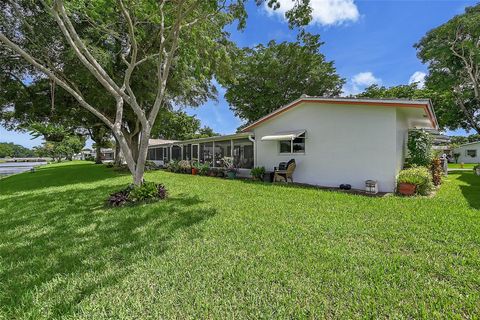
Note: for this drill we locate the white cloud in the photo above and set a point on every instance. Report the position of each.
(359, 82)
(365, 79)
(324, 12)
(419, 78)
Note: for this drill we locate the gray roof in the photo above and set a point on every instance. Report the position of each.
(154, 142)
(467, 144)
(159, 142)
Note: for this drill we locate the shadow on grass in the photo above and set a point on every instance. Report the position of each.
(57, 176)
(71, 236)
(471, 192)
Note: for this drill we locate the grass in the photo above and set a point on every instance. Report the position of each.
(233, 249)
(458, 166)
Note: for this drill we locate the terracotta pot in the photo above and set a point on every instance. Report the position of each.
(194, 171)
(406, 189)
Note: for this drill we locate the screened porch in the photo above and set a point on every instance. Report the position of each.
(211, 150)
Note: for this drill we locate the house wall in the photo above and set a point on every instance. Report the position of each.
(344, 144)
(463, 153)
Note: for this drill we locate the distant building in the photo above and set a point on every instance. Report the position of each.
(468, 152)
(83, 155)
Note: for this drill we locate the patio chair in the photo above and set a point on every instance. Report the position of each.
(285, 174)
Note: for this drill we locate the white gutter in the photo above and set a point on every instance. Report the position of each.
(254, 150)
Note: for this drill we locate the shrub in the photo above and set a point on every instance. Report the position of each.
(119, 198)
(150, 165)
(476, 167)
(419, 148)
(148, 191)
(437, 171)
(109, 165)
(258, 173)
(419, 176)
(172, 166)
(89, 158)
(204, 168)
(196, 164)
(185, 166)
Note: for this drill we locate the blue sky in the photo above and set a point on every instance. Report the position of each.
(371, 41)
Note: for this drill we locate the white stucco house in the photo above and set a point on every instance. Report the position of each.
(333, 141)
(469, 152)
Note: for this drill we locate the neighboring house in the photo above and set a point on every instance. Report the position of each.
(107, 154)
(441, 142)
(84, 154)
(469, 152)
(333, 140)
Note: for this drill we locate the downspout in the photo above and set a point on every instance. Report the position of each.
(250, 137)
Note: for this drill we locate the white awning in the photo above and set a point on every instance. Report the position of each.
(286, 135)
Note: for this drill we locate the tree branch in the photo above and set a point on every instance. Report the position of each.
(132, 64)
(52, 75)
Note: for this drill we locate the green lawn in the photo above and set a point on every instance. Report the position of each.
(233, 249)
(457, 165)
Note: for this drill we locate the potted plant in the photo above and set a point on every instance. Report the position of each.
(195, 168)
(407, 188)
(258, 173)
(476, 169)
(415, 180)
(230, 168)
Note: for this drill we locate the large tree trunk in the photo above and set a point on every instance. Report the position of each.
(134, 146)
(118, 160)
(141, 156)
(126, 148)
(98, 155)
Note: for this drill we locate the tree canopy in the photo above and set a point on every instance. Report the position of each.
(452, 52)
(12, 150)
(270, 76)
(142, 55)
(178, 125)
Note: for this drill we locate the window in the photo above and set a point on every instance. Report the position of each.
(207, 152)
(195, 152)
(151, 154)
(296, 145)
(187, 148)
(243, 153)
(166, 154)
(176, 153)
(158, 154)
(472, 153)
(222, 149)
(200, 152)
